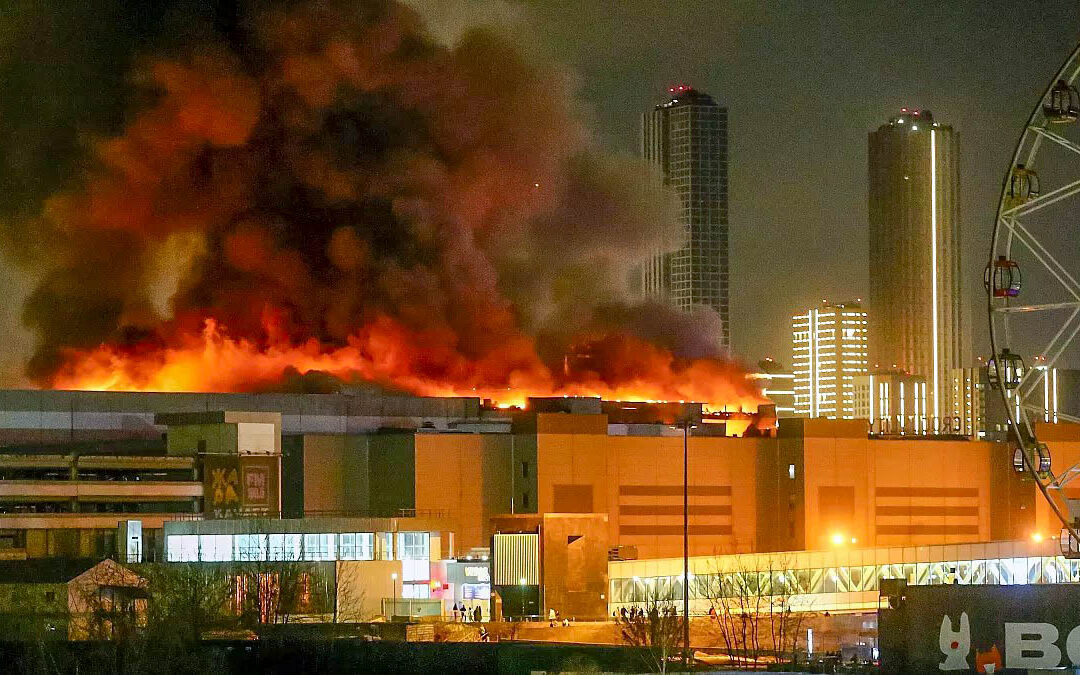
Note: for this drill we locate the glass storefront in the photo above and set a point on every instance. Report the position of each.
(413, 548)
(847, 579)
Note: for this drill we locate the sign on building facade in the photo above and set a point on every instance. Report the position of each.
(981, 629)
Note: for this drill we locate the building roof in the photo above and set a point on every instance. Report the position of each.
(44, 570)
(683, 95)
(137, 447)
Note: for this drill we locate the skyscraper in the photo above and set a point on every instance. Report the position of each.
(686, 139)
(828, 353)
(916, 320)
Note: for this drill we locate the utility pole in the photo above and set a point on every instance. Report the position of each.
(686, 539)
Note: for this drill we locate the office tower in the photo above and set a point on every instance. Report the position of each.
(895, 403)
(685, 138)
(828, 347)
(969, 387)
(916, 320)
(1054, 398)
(776, 385)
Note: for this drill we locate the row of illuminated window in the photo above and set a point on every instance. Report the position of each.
(295, 547)
(1008, 571)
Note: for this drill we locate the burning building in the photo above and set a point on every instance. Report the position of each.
(323, 189)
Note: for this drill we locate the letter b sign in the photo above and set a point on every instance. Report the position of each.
(1031, 645)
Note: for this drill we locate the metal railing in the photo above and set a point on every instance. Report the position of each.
(251, 513)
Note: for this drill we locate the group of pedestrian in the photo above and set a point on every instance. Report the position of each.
(466, 614)
(639, 613)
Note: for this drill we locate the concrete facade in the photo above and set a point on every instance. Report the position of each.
(573, 561)
(814, 481)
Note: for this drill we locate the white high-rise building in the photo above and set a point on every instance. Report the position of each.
(829, 351)
(685, 138)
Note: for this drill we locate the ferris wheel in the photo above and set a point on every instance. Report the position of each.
(1035, 321)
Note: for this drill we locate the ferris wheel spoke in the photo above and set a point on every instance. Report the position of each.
(1042, 412)
(1055, 349)
(1042, 201)
(1072, 472)
(1043, 255)
(1035, 410)
(1018, 309)
(1057, 138)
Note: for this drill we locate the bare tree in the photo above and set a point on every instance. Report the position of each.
(654, 625)
(184, 602)
(753, 611)
(351, 596)
(187, 599)
(276, 585)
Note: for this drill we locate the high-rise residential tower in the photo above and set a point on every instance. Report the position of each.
(916, 312)
(828, 354)
(686, 139)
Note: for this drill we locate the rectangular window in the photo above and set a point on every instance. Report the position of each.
(524, 469)
(525, 499)
(183, 548)
(284, 547)
(356, 546)
(215, 547)
(320, 546)
(415, 591)
(415, 570)
(413, 546)
(249, 547)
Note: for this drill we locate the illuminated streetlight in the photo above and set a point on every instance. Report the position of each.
(522, 581)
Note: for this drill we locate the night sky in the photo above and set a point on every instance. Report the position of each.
(803, 81)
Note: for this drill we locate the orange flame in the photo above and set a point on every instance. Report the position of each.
(387, 354)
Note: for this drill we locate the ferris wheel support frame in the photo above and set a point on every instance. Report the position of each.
(1006, 218)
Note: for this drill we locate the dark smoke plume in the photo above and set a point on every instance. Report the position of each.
(326, 174)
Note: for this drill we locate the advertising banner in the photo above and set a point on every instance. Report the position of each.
(221, 486)
(259, 484)
(981, 629)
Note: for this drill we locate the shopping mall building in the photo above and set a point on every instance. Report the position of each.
(575, 504)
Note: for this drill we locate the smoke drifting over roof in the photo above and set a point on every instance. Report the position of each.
(322, 186)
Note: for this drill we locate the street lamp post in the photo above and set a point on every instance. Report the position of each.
(686, 539)
(393, 608)
(522, 581)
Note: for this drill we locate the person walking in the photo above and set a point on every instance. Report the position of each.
(551, 617)
(478, 615)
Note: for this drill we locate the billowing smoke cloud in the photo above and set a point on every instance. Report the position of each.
(322, 186)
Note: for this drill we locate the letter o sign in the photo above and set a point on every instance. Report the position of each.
(1072, 646)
